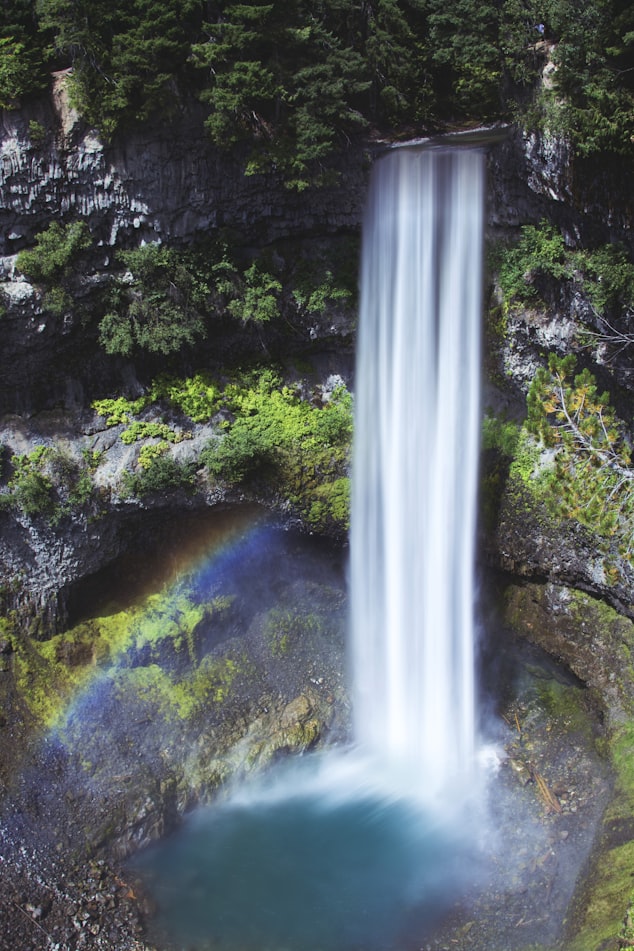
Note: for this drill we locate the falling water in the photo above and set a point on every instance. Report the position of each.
(415, 465)
(322, 856)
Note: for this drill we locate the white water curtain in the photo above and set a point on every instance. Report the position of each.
(415, 465)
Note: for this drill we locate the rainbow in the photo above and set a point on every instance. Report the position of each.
(70, 676)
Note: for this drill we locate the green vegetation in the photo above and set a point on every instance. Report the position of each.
(51, 483)
(316, 290)
(592, 99)
(539, 254)
(158, 305)
(285, 627)
(159, 473)
(162, 630)
(197, 397)
(609, 279)
(596, 917)
(164, 300)
(269, 439)
(499, 434)
(284, 78)
(295, 449)
(499, 442)
(127, 58)
(55, 252)
(539, 270)
(572, 456)
(19, 74)
(291, 83)
(119, 410)
(591, 479)
(54, 261)
(259, 301)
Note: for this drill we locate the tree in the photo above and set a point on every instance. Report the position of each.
(594, 79)
(593, 479)
(125, 55)
(19, 72)
(280, 80)
(464, 39)
(157, 306)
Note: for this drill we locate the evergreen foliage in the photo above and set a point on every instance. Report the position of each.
(293, 80)
(55, 253)
(592, 479)
(158, 305)
(279, 77)
(54, 263)
(594, 80)
(126, 56)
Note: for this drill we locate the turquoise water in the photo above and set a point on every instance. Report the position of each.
(304, 865)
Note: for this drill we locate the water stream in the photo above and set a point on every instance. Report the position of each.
(347, 850)
(415, 466)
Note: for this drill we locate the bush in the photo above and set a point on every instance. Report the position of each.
(158, 306)
(56, 252)
(49, 481)
(539, 253)
(259, 300)
(298, 450)
(162, 474)
(197, 397)
(609, 279)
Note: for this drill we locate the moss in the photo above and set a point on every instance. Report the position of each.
(599, 909)
(181, 697)
(331, 505)
(526, 460)
(565, 704)
(285, 627)
(602, 908)
(49, 673)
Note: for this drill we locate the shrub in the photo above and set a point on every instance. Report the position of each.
(540, 252)
(163, 473)
(299, 450)
(197, 397)
(259, 300)
(56, 252)
(49, 481)
(119, 410)
(158, 306)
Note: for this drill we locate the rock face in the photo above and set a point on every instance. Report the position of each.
(160, 183)
(165, 183)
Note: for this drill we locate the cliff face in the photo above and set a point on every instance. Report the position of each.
(165, 183)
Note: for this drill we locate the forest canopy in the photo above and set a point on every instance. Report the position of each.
(294, 79)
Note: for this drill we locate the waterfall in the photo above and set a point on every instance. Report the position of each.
(415, 465)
